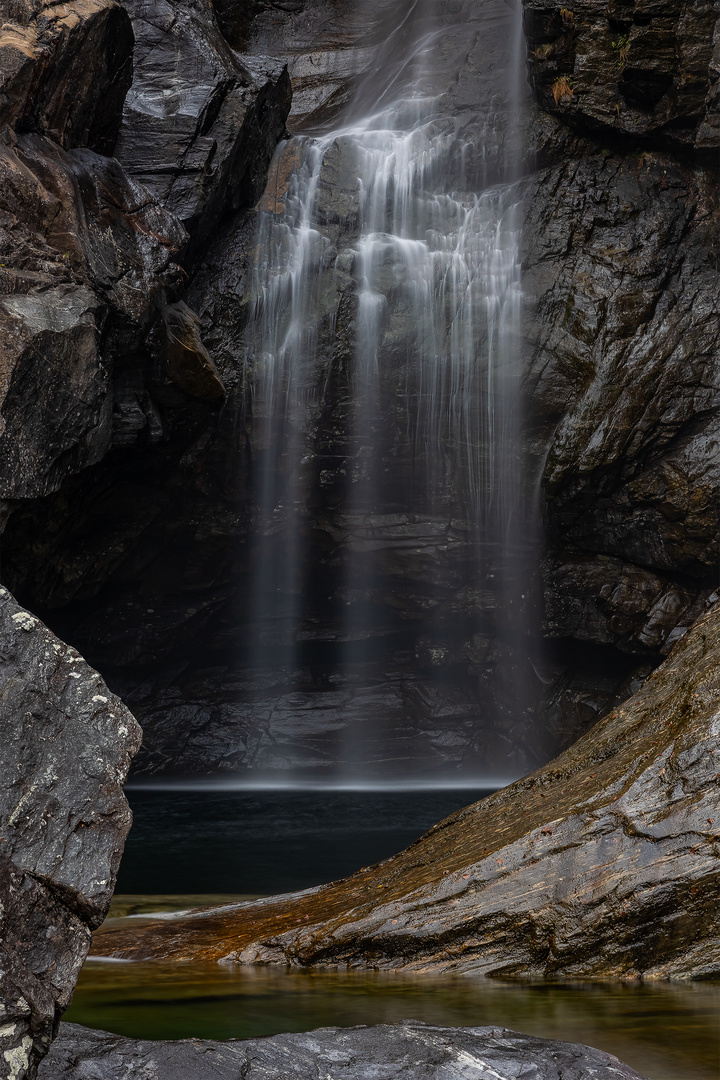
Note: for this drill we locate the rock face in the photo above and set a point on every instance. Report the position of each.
(602, 864)
(65, 70)
(643, 69)
(624, 387)
(66, 749)
(150, 546)
(91, 256)
(199, 126)
(411, 1050)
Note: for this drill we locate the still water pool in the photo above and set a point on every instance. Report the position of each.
(218, 845)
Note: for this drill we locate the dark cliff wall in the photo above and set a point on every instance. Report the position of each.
(129, 529)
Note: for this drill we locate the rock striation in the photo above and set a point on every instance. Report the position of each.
(602, 864)
(409, 1050)
(65, 752)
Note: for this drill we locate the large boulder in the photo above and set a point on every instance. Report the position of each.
(602, 864)
(408, 1051)
(66, 747)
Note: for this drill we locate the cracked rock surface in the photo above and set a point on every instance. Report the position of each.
(66, 747)
(410, 1050)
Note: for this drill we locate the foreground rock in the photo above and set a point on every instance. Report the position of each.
(604, 863)
(410, 1050)
(66, 748)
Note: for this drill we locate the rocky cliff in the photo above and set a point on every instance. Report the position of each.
(131, 525)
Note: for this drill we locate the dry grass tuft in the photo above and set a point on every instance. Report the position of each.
(562, 89)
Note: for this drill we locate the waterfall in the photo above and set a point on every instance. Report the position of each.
(382, 364)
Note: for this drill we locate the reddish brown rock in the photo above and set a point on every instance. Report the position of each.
(602, 864)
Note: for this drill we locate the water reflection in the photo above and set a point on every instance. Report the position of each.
(668, 1032)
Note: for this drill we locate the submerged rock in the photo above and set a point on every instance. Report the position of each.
(409, 1050)
(64, 755)
(604, 863)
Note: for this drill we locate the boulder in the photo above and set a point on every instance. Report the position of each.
(407, 1051)
(66, 748)
(602, 864)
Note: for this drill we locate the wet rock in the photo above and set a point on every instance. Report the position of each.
(65, 70)
(624, 388)
(411, 1050)
(603, 863)
(89, 256)
(66, 748)
(187, 362)
(641, 69)
(200, 124)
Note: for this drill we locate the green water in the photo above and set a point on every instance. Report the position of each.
(666, 1031)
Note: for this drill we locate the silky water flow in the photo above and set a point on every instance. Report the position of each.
(383, 365)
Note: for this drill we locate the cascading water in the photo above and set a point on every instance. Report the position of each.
(383, 366)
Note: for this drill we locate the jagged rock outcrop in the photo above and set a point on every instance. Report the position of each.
(65, 70)
(200, 124)
(88, 257)
(408, 1051)
(625, 391)
(66, 748)
(604, 863)
(87, 253)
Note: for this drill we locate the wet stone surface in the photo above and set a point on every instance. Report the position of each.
(409, 1050)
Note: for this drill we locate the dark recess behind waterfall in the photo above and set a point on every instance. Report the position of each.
(142, 557)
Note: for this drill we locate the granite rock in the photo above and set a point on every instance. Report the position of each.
(66, 749)
(409, 1050)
